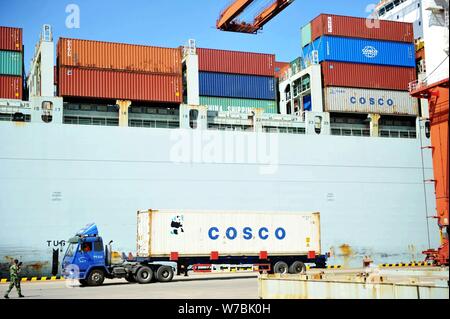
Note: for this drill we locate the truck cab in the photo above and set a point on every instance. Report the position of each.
(84, 254)
(88, 260)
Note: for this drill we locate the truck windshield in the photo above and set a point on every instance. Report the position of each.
(70, 250)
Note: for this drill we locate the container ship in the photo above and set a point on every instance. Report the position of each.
(115, 128)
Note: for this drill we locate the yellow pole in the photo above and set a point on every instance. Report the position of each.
(123, 112)
(374, 127)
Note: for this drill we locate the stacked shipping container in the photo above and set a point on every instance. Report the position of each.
(237, 80)
(104, 70)
(358, 54)
(362, 51)
(345, 26)
(367, 76)
(11, 63)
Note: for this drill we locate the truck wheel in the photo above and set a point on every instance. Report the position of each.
(164, 274)
(144, 275)
(130, 278)
(83, 282)
(96, 278)
(297, 267)
(281, 268)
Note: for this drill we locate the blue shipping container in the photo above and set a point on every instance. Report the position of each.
(237, 86)
(362, 51)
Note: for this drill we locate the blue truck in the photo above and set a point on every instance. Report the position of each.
(174, 241)
(89, 261)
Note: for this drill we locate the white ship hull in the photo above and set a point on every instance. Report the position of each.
(56, 178)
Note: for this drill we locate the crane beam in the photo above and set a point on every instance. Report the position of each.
(228, 18)
(270, 12)
(232, 12)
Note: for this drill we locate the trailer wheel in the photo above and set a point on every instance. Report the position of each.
(297, 267)
(144, 275)
(281, 268)
(164, 274)
(96, 278)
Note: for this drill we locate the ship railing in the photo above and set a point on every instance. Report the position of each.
(390, 133)
(416, 85)
(230, 127)
(96, 121)
(398, 133)
(343, 131)
(284, 130)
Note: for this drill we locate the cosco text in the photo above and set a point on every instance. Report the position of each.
(247, 233)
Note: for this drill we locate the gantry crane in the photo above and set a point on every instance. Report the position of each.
(438, 97)
(228, 20)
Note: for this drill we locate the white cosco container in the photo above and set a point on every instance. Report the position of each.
(341, 99)
(236, 233)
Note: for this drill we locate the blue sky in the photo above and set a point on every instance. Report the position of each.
(169, 23)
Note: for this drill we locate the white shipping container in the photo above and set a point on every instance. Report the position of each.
(341, 99)
(236, 233)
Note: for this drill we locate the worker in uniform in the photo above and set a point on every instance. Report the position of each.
(14, 271)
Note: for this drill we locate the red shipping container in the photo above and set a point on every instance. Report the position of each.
(367, 76)
(11, 39)
(11, 87)
(106, 84)
(235, 62)
(352, 27)
(118, 56)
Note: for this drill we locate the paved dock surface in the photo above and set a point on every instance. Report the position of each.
(202, 286)
(223, 286)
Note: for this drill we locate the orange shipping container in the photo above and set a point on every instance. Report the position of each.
(118, 56)
(116, 85)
